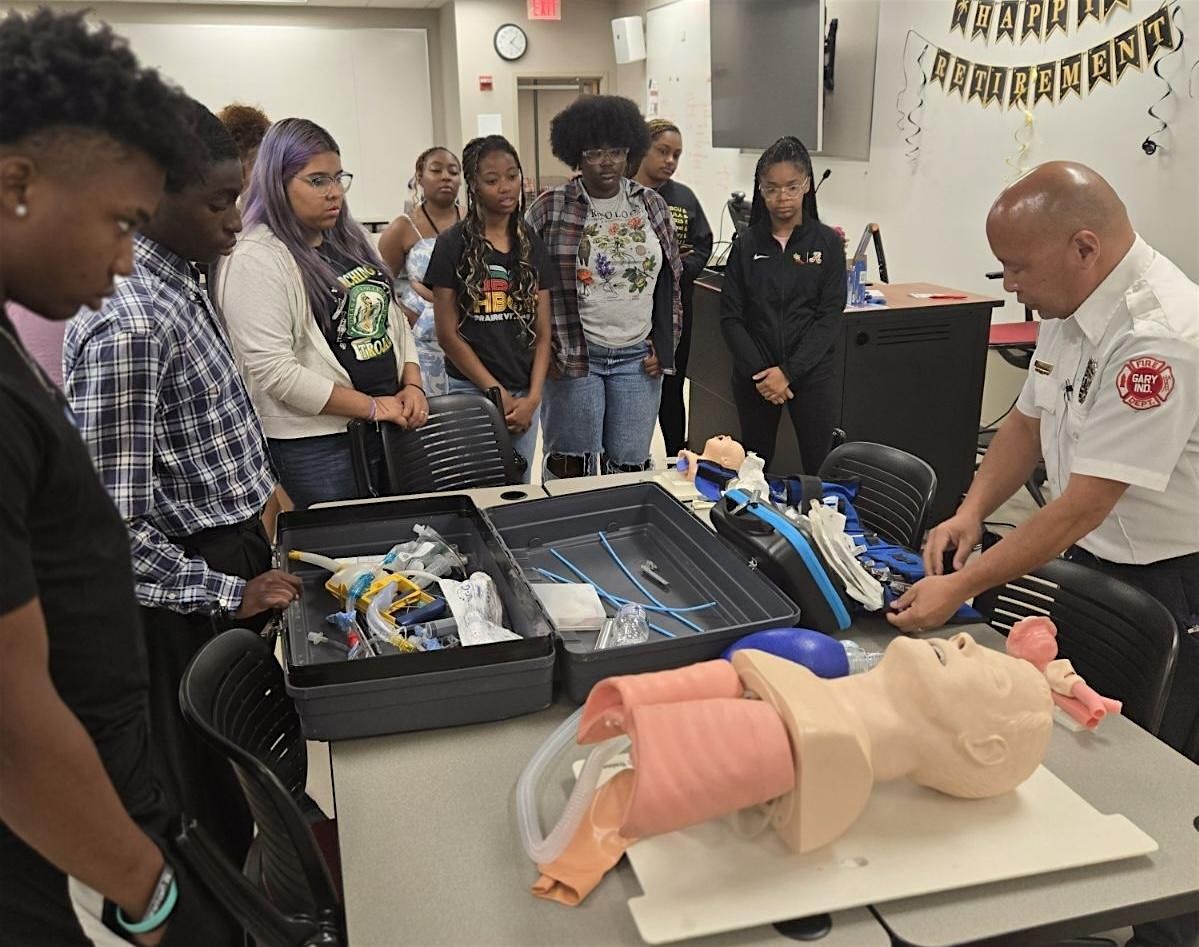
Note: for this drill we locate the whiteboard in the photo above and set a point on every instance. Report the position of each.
(368, 87)
(678, 71)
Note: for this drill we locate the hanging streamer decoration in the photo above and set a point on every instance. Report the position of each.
(1023, 136)
(1051, 83)
(1161, 36)
(907, 125)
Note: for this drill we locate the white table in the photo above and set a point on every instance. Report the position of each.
(430, 853)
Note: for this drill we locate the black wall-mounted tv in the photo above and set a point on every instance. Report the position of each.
(767, 72)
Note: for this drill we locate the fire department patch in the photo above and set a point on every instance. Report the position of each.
(1145, 382)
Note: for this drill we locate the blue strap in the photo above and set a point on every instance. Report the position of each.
(788, 531)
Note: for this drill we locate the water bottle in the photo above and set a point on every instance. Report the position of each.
(859, 282)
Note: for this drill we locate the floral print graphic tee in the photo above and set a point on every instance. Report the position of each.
(618, 265)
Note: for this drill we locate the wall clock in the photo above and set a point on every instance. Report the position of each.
(511, 42)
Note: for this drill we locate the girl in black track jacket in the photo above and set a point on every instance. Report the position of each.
(780, 310)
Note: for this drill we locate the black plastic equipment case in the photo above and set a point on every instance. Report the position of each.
(777, 558)
(642, 521)
(338, 699)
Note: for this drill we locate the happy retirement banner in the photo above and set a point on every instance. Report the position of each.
(1039, 19)
(1054, 81)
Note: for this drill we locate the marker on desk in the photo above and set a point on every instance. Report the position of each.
(937, 295)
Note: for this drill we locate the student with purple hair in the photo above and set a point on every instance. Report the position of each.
(316, 328)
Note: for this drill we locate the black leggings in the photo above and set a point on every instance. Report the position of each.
(813, 412)
(672, 411)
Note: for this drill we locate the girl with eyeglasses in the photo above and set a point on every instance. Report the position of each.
(617, 314)
(695, 246)
(490, 277)
(407, 244)
(315, 326)
(780, 310)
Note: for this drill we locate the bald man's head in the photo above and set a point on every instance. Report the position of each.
(1058, 231)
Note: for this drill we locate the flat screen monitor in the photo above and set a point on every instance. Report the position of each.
(767, 72)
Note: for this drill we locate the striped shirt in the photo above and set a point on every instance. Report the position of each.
(162, 408)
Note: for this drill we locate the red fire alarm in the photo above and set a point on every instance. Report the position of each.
(485, 83)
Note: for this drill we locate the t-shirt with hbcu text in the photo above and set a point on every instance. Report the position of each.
(493, 328)
(360, 306)
(619, 262)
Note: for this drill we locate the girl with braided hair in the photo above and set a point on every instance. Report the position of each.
(407, 244)
(490, 278)
(780, 309)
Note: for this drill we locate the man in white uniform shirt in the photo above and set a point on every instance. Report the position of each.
(1112, 405)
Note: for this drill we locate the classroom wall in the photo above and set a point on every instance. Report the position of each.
(580, 44)
(931, 210)
(331, 17)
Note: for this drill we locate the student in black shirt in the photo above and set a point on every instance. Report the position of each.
(85, 137)
(491, 278)
(780, 310)
(695, 246)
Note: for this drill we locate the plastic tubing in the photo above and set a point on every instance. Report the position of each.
(315, 559)
(543, 850)
(617, 600)
(642, 589)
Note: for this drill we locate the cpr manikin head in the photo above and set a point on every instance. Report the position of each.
(978, 722)
(720, 449)
(949, 715)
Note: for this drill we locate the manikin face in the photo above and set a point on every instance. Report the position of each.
(980, 719)
(725, 451)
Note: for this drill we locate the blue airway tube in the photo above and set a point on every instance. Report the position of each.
(768, 514)
(642, 589)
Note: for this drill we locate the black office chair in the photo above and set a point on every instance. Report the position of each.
(895, 488)
(1121, 639)
(464, 444)
(233, 693)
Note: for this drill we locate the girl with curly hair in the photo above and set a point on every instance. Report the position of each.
(313, 319)
(780, 309)
(407, 244)
(617, 315)
(491, 281)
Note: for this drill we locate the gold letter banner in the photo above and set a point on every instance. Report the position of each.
(1024, 86)
(1039, 18)
(961, 16)
(1009, 10)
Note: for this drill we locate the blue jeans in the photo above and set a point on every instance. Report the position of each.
(319, 469)
(603, 421)
(524, 444)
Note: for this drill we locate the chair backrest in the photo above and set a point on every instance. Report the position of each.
(1121, 639)
(464, 444)
(233, 692)
(895, 488)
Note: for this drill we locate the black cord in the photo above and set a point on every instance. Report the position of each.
(1002, 416)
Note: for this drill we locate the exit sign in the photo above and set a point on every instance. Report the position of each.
(545, 9)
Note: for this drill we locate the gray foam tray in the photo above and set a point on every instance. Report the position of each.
(642, 521)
